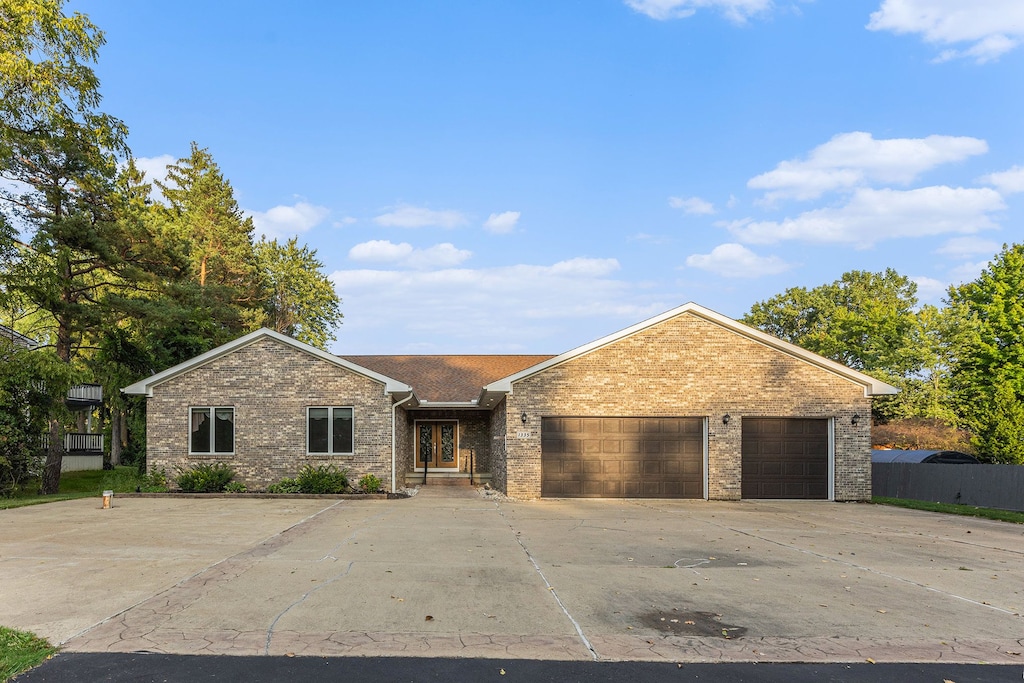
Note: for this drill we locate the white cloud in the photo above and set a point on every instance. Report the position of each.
(1010, 181)
(966, 272)
(443, 255)
(735, 260)
(964, 247)
(871, 216)
(406, 216)
(438, 256)
(501, 223)
(990, 28)
(380, 251)
(155, 168)
(287, 221)
(692, 205)
(585, 267)
(347, 220)
(735, 10)
(502, 309)
(930, 290)
(850, 160)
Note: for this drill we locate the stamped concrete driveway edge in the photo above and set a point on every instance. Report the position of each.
(450, 573)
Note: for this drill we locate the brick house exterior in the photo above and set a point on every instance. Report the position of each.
(689, 366)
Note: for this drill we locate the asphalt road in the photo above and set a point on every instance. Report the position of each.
(95, 668)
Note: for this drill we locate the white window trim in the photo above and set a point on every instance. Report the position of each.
(330, 431)
(213, 453)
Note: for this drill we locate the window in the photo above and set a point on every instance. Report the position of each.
(329, 430)
(212, 430)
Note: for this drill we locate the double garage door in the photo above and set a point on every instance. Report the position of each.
(622, 457)
(612, 457)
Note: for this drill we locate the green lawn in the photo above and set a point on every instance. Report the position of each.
(78, 485)
(950, 508)
(20, 651)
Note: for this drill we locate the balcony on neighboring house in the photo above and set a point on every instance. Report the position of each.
(83, 396)
(78, 443)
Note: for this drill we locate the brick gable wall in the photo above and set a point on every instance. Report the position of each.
(687, 366)
(270, 385)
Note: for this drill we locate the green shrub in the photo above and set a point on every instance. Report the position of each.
(205, 478)
(323, 479)
(286, 485)
(235, 487)
(369, 483)
(154, 482)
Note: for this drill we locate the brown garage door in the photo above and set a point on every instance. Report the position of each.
(622, 457)
(785, 458)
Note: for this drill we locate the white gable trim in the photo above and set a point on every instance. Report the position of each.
(872, 386)
(145, 387)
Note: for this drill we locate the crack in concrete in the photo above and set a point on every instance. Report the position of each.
(551, 589)
(270, 629)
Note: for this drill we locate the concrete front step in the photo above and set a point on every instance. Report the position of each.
(446, 479)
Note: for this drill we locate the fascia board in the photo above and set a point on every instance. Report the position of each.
(145, 386)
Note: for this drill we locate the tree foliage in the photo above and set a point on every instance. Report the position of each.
(300, 299)
(988, 371)
(863, 320)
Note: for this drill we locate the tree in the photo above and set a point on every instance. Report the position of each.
(32, 386)
(61, 154)
(300, 300)
(204, 216)
(863, 320)
(988, 370)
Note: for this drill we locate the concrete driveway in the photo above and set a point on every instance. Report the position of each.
(452, 573)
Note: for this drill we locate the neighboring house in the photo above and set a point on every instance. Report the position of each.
(83, 449)
(15, 338)
(688, 404)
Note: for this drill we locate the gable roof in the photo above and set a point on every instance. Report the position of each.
(447, 379)
(872, 386)
(145, 386)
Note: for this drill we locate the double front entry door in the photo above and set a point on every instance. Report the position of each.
(436, 445)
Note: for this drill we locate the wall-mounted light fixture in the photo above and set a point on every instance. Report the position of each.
(726, 418)
(523, 417)
(855, 420)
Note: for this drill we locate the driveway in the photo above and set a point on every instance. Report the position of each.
(451, 573)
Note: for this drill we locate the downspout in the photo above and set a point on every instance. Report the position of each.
(394, 412)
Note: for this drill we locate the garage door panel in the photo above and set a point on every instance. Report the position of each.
(784, 458)
(636, 457)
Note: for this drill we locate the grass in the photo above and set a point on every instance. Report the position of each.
(951, 509)
(20, 651)
(78, 485)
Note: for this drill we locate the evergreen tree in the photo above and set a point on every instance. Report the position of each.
(204, 216)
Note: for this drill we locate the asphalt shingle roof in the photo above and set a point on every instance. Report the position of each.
(447, 378)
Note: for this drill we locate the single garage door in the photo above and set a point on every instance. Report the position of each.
(785, 458)
(622, 457)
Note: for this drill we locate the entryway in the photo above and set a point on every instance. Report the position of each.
(437, 445)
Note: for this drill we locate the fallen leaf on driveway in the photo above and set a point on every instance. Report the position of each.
(501, 671)
(870, 661)
(881, 611)
(428, 618)
(690, 622)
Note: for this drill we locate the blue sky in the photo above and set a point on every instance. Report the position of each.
(524, 176)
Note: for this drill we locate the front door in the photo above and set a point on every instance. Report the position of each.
(437, 445)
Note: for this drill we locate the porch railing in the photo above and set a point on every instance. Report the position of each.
(78, 443)
(86, 393)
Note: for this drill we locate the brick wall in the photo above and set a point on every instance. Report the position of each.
(270, 385)
(687, 366)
